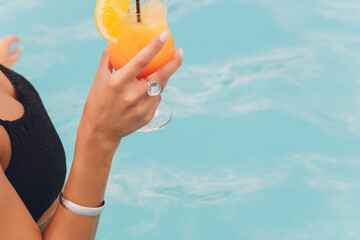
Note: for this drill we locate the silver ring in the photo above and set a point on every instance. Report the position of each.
(154, 88)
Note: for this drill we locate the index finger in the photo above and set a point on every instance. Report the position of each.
(11, 39)
(164, 73)
(143, 58)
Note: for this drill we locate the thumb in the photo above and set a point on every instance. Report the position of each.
(105, 64)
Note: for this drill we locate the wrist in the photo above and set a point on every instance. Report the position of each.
(88, 177)
(95, 138)
(90, 168)
(94, 148)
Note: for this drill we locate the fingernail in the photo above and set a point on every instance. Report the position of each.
(181, 52)
(163, 36)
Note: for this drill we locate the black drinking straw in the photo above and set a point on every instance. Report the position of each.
(138, 10)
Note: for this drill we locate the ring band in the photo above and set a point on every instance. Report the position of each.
(80, 210)
(154, 88)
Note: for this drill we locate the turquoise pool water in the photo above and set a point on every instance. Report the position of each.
(265, 139)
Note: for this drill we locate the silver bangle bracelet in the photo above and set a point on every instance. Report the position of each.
(80, 210)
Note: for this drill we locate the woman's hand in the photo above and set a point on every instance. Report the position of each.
(118, 104)
(7, 57)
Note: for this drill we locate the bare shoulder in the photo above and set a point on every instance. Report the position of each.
(6, 85)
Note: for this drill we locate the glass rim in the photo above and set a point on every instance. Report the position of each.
(165, 6)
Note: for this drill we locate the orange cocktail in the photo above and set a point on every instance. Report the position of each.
(137, 30)
(129, 26)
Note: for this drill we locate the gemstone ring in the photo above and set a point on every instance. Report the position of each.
(154, 88)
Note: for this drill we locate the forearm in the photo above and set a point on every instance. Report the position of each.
(86, 186)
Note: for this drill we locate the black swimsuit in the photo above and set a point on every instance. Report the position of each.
(37, 167)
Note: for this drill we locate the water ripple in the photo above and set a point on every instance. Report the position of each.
(140, 187)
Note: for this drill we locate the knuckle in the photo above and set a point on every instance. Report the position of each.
(158, 45)
(140, 62)
(161, 75)
(129, 100)
(112, 84)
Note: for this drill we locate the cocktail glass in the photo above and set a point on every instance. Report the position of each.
(139, 25)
